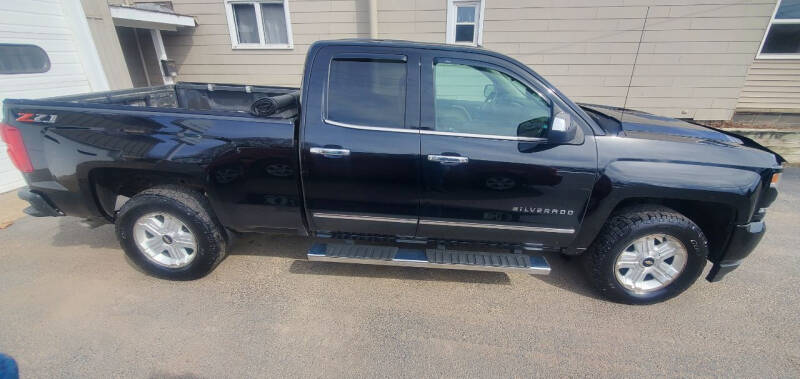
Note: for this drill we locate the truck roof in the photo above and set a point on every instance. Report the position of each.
(405, 44)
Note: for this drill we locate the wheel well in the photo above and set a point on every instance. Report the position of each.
(111, 185)
(716, 220)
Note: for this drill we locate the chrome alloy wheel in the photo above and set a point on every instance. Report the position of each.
(650, 263)
(165, 240)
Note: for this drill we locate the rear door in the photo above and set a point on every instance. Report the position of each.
(489, 171)
(360, 142)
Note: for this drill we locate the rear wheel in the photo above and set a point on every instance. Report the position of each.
(169, 233)
(646, 255)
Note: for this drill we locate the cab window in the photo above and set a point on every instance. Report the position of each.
(480, 100)
(367, 92)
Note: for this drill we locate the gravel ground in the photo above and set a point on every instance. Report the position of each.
(71, 306)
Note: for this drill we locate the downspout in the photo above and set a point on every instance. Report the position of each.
(373, 19)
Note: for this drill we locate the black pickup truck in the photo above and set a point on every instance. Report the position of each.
(400, 153)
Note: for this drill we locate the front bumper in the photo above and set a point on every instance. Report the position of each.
(743, 240)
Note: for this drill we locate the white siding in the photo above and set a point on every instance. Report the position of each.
(772, 86)
(49, 25)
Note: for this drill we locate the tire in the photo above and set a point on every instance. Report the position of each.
(649, 224)
(195, 218)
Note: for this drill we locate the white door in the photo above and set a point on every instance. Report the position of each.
(59, 28)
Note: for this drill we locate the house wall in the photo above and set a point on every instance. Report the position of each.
(105, 39)
(680, 58)
(204, 54)
(57, 27)
(669, 57)
(772, 85)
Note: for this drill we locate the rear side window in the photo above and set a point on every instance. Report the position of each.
(367, 92)
(23, 59)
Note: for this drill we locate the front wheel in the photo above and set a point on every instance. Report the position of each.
(646, 255)
(169, 232)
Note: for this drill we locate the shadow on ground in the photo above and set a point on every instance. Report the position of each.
(566, 273)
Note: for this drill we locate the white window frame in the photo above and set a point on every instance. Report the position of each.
(452, 14)
(261, 45)
(773, 21)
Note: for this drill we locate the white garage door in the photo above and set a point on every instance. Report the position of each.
(58, 27)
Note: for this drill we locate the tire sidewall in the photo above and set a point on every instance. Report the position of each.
(207, 248)
(696, 248)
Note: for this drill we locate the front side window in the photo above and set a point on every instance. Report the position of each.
(782, 39)
(259, 24)
(367, 92)
(483, 101)
(464, 22)
(23, 59)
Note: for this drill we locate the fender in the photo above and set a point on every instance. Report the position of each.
(629, 179)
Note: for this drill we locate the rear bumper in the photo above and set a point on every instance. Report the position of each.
(743, 240)
(40, 207)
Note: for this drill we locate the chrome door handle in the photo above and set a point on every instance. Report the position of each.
(330, 153)
(448, 159)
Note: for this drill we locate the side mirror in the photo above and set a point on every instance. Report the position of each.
(488, 91)
(562, 130)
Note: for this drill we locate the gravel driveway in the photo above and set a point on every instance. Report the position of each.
(71, 306)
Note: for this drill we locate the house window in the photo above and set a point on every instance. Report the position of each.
(259, 24)
(782, 39)
(465, 22)
(23, 59)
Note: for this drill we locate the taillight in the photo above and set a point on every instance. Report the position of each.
(16, 148)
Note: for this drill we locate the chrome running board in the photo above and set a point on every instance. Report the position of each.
(430, 258)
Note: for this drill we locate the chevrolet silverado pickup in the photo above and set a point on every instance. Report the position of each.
(400, 153)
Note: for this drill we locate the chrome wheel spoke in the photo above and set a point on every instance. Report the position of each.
(176, 252)
(184, 241)
(659, 275)
(666, 250)
(627, 260)
(171, 225)
(637, 276)
(151, 225)
(165, 240)
(650, 263)
(154, 244)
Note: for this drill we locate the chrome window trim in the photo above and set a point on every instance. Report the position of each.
(376, 128)
(434, 132)
(485, 136)
(340, 216)
(497, 226)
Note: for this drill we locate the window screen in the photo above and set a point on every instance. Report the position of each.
(274, 24)
(246, 23)
(480, 100)
(465, 23)
(367, 92)
(23, 59)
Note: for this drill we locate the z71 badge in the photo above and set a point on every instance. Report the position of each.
(544, 211)
(37, 117)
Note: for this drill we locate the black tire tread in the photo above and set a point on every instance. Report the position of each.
(195, 203)
(619, 226)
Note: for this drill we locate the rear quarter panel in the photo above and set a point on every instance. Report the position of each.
(246, 165)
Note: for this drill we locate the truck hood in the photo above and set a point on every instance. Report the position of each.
(635, 123)
(638, 124)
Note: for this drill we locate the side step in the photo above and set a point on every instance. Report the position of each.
(431, 258)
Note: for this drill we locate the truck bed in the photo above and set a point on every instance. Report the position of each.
(187, 96)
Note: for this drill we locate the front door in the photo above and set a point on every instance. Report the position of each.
(489, 172)
(360, 150)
